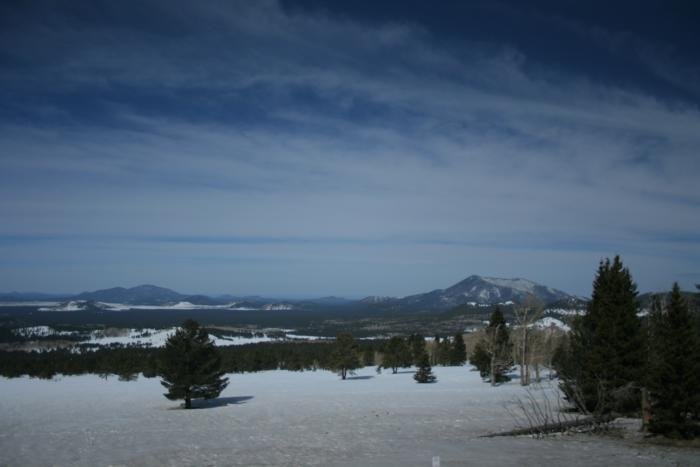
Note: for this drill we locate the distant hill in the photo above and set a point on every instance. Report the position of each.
(479, 290)
(139, 295)
(151, 295)
(474, 290)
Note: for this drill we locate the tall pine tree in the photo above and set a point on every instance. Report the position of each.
(458, 353)
(492, 355)
(424, 373)
(602, 368)
(674, 367)
(190, 365)
(345, 357)
(397, 354)
(416, 342)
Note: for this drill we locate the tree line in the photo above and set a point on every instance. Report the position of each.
(126, 361)
(499, 347)
(616, 362)
(617, 359)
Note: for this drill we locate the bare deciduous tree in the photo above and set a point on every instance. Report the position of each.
(526, 314)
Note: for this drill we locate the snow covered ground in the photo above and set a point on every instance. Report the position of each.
(285, 418)
(81, 305)
(152, 337)
(548, 322)
(157, 338)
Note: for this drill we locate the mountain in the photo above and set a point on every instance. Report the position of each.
(479, 290)
(474, 290)
(151, 295)
(139, 295)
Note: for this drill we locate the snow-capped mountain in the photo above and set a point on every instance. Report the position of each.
(482, 291)
(474, 291)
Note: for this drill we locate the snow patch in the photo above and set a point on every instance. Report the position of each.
(549, 322)
(277, 307)
(565, 312)
(40, 331)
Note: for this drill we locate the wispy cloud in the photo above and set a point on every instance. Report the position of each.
(337, 145)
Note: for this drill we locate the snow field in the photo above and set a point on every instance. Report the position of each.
(152, 337)
(287, 418)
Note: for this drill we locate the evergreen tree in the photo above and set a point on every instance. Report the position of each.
(435, 351)
(368, 357)
(444, 350)
(424, 373)
(603, 365)
(501, 347)
(190, 365)
(481, 359)
(492, 355)
(417, 345)
(458, 352)
(673, 378)
(397, 354)
(344, 357)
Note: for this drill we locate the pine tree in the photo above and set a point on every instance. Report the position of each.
(601, 370)
(416, 343)
(501, 348)
(344, 357)
(190, 365)
(444, 350)
(673, 379)
(397, 354)
(368, 356)
(434, 353)
(458, 352)
(481, 359)
(424, 373)
(492, 355)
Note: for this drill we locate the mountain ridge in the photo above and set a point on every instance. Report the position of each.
(475, 289)
(145, 294)
(478, 290)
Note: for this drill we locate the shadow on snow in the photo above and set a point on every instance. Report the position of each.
(218, 402)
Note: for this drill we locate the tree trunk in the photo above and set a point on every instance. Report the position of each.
(188, 402)
(646, 410)
(343, 373)
(493, 368)
(524, 374)
(527, 372)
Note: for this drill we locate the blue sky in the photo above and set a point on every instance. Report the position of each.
(352, 148)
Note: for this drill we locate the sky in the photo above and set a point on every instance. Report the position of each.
(307, 148)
